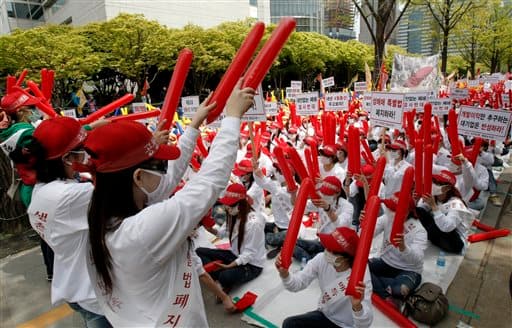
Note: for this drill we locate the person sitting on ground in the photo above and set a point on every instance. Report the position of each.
(245, 259)
(332, 268)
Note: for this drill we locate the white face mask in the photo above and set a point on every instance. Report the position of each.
(332, 259)
(280, 178)
(232, 210)
(329, 199)
(325, 160)
(436, 190)
(351, 120)
(158, 194)
(393, 155)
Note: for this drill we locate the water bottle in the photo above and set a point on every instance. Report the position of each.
(303, 263)
(440, 265)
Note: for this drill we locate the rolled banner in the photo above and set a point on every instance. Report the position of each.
(477, 144)
(22, 77)
(427, 122)
(38, 93)
(295, 222)
(173, 95)
(314, 158)
(418, 167)
(363, 249)
(482, 226)
(428, 156)
(453, 135)
(402, 208)
(298, 164)
(377, 177)
(263, 61)
(368, 151)
(127, 98)
(391, 312)
(136, 116)
(202, 147)
(476, 237)
(235, 70)
(354, 161)
(285, 169)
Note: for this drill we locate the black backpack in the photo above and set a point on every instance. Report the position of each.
(427, 304)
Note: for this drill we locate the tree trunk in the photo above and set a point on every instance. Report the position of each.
(444, 52)
(378, 52)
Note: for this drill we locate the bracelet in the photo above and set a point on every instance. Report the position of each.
(328, 208)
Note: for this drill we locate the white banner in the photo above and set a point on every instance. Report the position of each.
(473, 83)
(440, 106)
(360, 86)
(508, 85)
(505, 99)
(307, 103)
(296, 85)
(292, 93)
(271, 108)
(415, 73)
(328, 82)
(486, 123)
(387, 109)
(139, 107)
(416, 100)
(69, 113)
(189, 105)
(336, 101)
(367, 101)
(257, 112)
(457, 93)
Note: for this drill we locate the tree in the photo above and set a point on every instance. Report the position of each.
(383, 13)
(497, 38)
(447, 13)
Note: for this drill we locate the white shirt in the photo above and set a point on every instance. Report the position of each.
(58, 213)
(415, 237)
(281, 200)
(393, 176)
(343, 211)
(337, 170)
(252, 250)
(152, 266)
(333, 303)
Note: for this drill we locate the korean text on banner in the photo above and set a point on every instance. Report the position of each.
(458, 94)
(271, 108)
(415, 100)
(484, 123)
(336, 101)
(189, 105)
(139, 107)
(328, 82)
(307, 103)
(69, 113)
(360, 86)
(367, 101)
(296, 85)
(292, 93)
(387, 109)
(440, 106)
(257, 112)
(505, 100)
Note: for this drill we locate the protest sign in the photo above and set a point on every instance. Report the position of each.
(139, 107)
(69, 113)
(440, 106)
(485, 123)
(458, 94)
(271, 108)
(415, 100)
(387, 109)
(336, 101)
(189, 105)
(360, 87)
(328, 82)
(257, 112)
(307, 103)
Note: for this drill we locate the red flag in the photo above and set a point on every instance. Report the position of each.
(383, 78)
(145, 88)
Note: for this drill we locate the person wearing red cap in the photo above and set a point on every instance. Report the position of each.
(140, 263)
(244, 226)
(395, 167)
(397, 271)
(445, 215)
(243, 172)
(358, 189)
(329, 163)
(58, 213)
(332, 268)
(341, 154)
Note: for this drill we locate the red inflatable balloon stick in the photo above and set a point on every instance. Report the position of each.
(127, 98)
(402, 208)
(235, 70)
(47, 82)
(297, 163)
(173, 95)
(377, 177)
(453, 135)
(477, 144)
(368, 152)
(482, 226)
(354, 160)
(263, 61)
(363, 249)
(391, 312)
(41, 104)
(202, 147)
(427, 123)
(428, 157)
(309, 162)
(476, 237)
(22, 77)
(418, 167)
(314, 158)
(295, 222)
(10, 83)
(136, 116)
(37, 92)
(283, 165)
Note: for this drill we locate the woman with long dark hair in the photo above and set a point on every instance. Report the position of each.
(141, 264)
(445, 215)
(245, 229)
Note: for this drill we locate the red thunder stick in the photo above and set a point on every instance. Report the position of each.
(427, 170)
(402, 208)
(127, 98)
(235, 70)
(418, 167)
(283, 165)
(172, 97)
(427, 122)
(391, 312)
(298, 164)
(377, 177)
(136, 116)
(476, 237)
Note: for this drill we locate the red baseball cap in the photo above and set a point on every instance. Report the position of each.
(398, 144)
(445, 176)
(59, 135)
(330, 185)
(234, 193)
(328, 150)
(341, 240)
(309, 140)
(123, 144)
(292, 130)
(12, 101)
(243, 167)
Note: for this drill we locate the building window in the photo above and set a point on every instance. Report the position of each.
(253, 3)
(25, 9)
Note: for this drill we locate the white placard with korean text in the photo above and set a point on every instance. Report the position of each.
(336, 101)
(271, 108)
(257, 112)
(508, 85)
(139, 107)
(485, 123)
(360, 87)
(69, 113)
(189, 105)
(296, 85)
(416, 100)
(473, 83)
(291, 93)
(440, 106)
(307, 103)
(387, 109)
(505, 99)
(367, 101)
(328, 82)
(457, 93)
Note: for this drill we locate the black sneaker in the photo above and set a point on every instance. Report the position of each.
(273, 253)
(49, 277)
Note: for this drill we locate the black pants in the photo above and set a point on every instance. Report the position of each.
(47, 257)
(229, 277)
(309, 319)
(449, 242)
